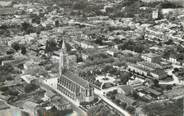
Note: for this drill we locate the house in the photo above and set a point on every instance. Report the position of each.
(155, 14)
(31, 107)
(3, 97)
(125, 89)
(6, 57)
(52, 82)
(17, 61)
(166, 65)
(6, 3)
(28, 78)
(50, 94)
(153, 92)
(60, 103)
(7, 11)
(135, 82)
(112, 52)
(137, 69)
(145, 97)
(85, 44)
(150, 66)
(174, 59)
(151, 57)
(148, 69)
(3, 105)
(129, 101)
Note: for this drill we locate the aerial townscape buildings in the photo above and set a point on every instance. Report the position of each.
(91, 57)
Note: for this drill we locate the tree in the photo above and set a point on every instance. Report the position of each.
(135, 95)
(27, 28)
(169, 42)
(131, 109)
(123, 104)
(23, 50)
(167, 52)
(51, 45)
(79, 5)
(57, 23)
(124, 76)
(12, 92)
(15, 46)
(156, 83)
(176, 69)
(99, 41)
(107, 68)
(30, 87)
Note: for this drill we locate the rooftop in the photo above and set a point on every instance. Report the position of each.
(7, 11)
(151, 65)
(76, 79)
(151, 55)
(126, 99)
(3, 105)
(153, 91)
(138, 67)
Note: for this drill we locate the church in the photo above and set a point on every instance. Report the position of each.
(70, 83)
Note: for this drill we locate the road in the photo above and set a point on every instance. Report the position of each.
(99, 93)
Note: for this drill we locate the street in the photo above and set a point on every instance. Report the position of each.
(99, 93)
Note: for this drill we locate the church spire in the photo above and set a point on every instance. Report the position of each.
(63, 45)
(63, 61)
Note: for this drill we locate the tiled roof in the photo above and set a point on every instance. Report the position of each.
(125, 99)
(151, 55)
(151, 65)
(75, 78)
(7, 11)
(138, 67)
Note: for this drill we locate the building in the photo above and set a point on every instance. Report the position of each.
(149, 66)
(7, 11)
(158, 74)
(151, 57)
(125, 89)
(136, 82)
(129, 101)
(148, 69)
(138, 69)
(31, 107)
(4, 97)
(3, 106)
(60, 103)
(70, 83)
(6, 3)
(174, 59)
(51, 82)
(155, 14)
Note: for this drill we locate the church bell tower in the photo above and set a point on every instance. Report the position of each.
(63, 60)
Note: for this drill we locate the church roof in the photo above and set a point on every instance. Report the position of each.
(75, 78)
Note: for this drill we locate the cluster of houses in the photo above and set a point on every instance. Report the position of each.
(149, 67)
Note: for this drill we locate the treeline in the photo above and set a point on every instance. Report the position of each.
(165, 4)
(130, 45)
